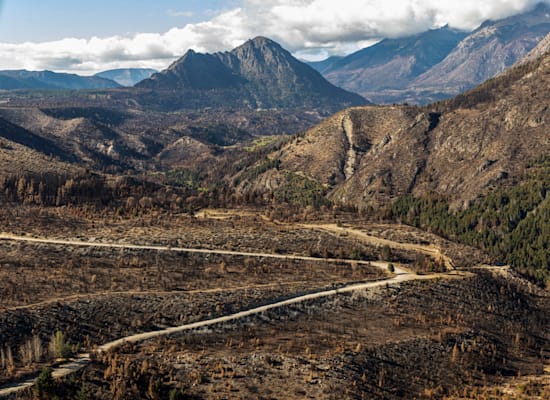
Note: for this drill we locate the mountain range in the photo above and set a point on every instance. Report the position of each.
(419, 69)
(352, 153)
(48, 80)
(440, 63)
(486, 149)
(201, 105)
(393, 63)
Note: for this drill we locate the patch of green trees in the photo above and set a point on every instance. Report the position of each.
(512, 224)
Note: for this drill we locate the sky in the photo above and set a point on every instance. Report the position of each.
(87, 37)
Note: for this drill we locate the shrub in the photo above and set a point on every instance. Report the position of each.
(45, 384)
(59, 347)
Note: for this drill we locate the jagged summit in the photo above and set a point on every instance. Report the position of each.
(393, 63)
(194, 71)
(259, 41)
(439, 63)
(487, 52)
(258, 73)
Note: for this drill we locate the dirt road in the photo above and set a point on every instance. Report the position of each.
(82, 360)
(429, 250)
(15, 238)
(400, 275)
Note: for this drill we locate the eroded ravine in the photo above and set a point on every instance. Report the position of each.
(351, 159)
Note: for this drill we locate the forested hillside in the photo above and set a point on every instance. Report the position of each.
(513, 225)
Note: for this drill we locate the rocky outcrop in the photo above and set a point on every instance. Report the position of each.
(542, 48)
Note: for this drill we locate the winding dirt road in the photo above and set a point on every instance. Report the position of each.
(429, 250)
(82, 360)
(72, 366)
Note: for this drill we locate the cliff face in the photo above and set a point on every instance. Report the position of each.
(488, 51)
(393, 63)
(542, 48)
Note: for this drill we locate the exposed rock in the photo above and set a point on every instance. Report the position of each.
(441, 63)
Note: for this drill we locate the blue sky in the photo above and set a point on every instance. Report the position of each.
(40, 20)
(86, 37)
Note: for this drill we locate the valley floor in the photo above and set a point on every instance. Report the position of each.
(337, 308)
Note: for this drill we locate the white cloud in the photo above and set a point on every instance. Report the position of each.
(309, 28)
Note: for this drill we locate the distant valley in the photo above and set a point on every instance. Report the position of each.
(127, 76)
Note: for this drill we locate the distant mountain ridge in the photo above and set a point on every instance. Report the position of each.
(439, 63)
(325, 64)
(257, 74)
(393, 63)
(127, 76)
(48, 80)
(487, 51)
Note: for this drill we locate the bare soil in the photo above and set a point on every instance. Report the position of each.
(418, 340)
(470, 334)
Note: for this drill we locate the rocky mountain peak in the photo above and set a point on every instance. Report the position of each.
(260, 73)
(194, 71)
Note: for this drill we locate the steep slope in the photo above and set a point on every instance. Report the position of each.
(18, 159)
(194, 71)
(541, 49)
(486, 52)
(127, 76)
(474, 169)
(97, 138)
(258, 74)
(393, 63)
(19, 135)
(48, 80)
(438, 64)
(460, 149)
